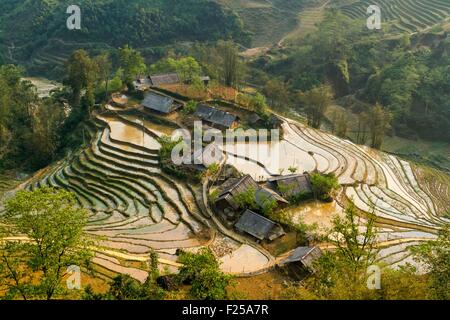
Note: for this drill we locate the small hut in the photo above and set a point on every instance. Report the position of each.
(258, 226)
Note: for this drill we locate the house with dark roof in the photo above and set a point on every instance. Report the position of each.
(162, 79)
(292, 185)
(300, 261)
(216, 118)
(201, 159)
(258, 226)
(159, 103)
(142, 83)
(231, 189)
(228, 206)
(264, 196)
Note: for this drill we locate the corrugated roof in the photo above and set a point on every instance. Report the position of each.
(255, 225)
(159, 103)
(215, 116)
(169, 78)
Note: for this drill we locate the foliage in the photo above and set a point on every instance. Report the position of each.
(187, 68)
(82, 72)
(378, 125)
(323, 185)
(247, 200)
(203, 272)
(29, 126)
(294, 223)
(408, 76)
(132, 64)
(40, 26)
(316, 102)
(190, 107)
(53, 224)
(124, 287)
(231, 66)
(435, 254)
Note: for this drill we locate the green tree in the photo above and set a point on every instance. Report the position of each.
(316, 102)
(323, 185)
(277, 93)
(203, 272)
(378, 125)
(132, 63)
(82, 73)
(104, 66)
(435, 255)
(53, 239)
(231, 65)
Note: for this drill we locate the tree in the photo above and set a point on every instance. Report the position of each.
(124, 287)
(378, 125)
(43, 139)
(323, 185)
(354, 244)
(187, 68)
(316, 102)
(132, 63)
(231, 66)
(82, 73)
(202, 271)
(277, 93)
(363, 123)
(341, 273)
(52, 225)
(340, 123)
(104, 66)
(435, 255)
(247, 199)
(259, 105)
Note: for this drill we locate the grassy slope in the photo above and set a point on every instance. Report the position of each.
(269, 20)
(33, 32)
(402, 15)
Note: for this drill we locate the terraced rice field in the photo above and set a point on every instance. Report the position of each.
(377, 183)
(404, 15)
(134, 206)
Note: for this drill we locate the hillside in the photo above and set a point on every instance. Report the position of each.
(34, 33)
(268, 20)
(403, 15)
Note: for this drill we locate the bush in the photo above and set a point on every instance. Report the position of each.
(203, 272)
(323, 185)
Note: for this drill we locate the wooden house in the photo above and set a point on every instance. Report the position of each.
(258, 226)
(217, 118)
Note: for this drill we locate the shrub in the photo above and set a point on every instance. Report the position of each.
(323, 185)
(202, 271)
